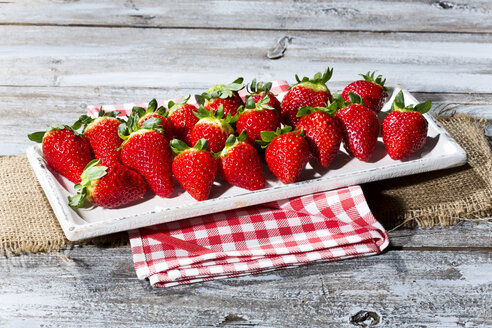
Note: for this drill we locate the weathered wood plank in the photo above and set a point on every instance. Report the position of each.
(467, 235)
(97, 287)
(31, 109)
(183, 58)
(436, 16)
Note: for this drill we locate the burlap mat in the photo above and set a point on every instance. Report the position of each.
(27, 223)
(444, 197)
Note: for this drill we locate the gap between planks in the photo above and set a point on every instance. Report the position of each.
(225, 28)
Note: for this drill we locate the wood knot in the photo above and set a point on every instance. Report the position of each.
(445, 4)
(451, 5)
(365, 319)
(280, 47)
(231, 319)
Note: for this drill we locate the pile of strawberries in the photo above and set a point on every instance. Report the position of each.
(113, 161)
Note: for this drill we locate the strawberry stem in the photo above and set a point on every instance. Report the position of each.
(399, 105)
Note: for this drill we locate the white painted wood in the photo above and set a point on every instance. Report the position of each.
(95, 287)
(440, 151)
(442, 16)
(184, 58)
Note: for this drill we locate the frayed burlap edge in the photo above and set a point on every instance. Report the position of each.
(446, 214)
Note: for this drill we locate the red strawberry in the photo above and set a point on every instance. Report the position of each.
(147, 151)
(322, 132)
(307, 92)
(257, 116)
(64, 150)
(405, 128)
(182, 118)
(257, 90)
(194, 168)
(372, 91)
(360, 126)
(108, 187)
(286, 154)
(240, 164)
(102, 134)
(153, 111)
(225, 95)
(213, 127)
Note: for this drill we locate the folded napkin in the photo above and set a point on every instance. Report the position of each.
(326, 226)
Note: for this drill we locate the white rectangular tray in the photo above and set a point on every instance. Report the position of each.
(439, 152)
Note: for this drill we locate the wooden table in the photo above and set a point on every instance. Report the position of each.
(59, 56)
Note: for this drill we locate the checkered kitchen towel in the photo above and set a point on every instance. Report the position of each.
(326, 226)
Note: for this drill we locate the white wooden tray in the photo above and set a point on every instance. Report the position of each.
(439, 152)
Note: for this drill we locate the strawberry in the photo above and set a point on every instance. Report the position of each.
(108, 187)
(258, 116)
(360, 126)
(102, 134)
(322, 131)
(307, 92)
(257, 90)
(194, 168)
(405, 128)
(222, 94)
(240, 164)
(64, 150)
(153, 111)
(182, 118)
(372, 91)
(286, 153)
(213, 127)
(146, 150)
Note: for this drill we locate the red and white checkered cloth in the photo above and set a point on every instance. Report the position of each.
(326, 226)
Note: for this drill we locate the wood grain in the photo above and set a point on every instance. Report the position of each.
(98, 287)
(466, 236)
(182, 58)
(389, 16)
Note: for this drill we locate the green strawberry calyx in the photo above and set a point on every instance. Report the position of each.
(331, 109)
(258, 87)
(231, 141)
(378, 80)
(268, 136)
(85, 121)
(151, 108)
(250, 104)
(217, 117)
(341, 103)
(317, 82)
(399, 105)
(39, 135)
(92, 173)
(223, 91)
(174, 106)
(179, 147)
(126, 129)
